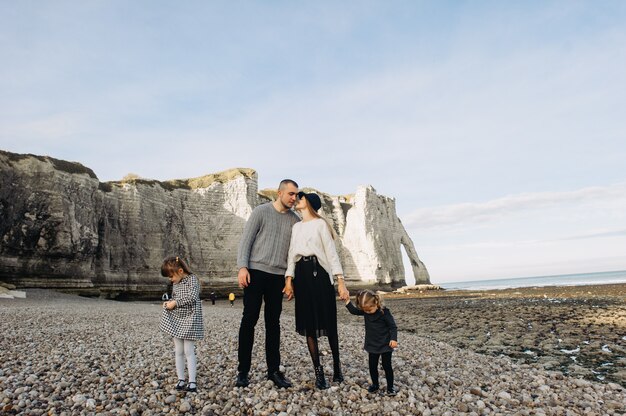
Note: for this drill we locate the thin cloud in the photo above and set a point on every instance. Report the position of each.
(465, 213)
(614, 233)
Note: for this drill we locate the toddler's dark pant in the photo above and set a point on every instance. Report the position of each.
(269, 288)
(373, 360)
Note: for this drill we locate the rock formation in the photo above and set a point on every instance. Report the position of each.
(60, 227)
(370, 236)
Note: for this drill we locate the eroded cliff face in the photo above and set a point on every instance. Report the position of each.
(62, 228)
(370, 239)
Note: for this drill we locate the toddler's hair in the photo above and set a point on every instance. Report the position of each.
(369, 298)
(172, 264)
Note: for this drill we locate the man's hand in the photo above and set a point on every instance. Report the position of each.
(288, 289)
(243, 277)
(393, 344)
(169, 305)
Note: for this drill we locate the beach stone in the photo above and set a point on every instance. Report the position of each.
(170, 399)
(477, 391)
(544, 389)
(431, 380)
(504, 395)
(90, 404)
(184, 407)
(79, 399)
(581, 383)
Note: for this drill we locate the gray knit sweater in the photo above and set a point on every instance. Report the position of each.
(265, 241)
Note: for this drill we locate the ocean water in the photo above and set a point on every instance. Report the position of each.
(538, 281)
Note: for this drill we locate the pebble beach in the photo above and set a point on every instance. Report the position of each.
(64, 355)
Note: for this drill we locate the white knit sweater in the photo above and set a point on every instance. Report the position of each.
(313, 238)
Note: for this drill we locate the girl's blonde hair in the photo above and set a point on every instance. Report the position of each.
(172, 264)
(316, 215)
(369, 298)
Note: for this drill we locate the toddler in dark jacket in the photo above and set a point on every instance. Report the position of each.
(381, 335)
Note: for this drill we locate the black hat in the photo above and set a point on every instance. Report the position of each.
(313, 198)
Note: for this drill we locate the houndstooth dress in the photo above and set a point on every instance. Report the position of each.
(185, 320)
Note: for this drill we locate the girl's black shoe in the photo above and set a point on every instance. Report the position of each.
(192, 388)
(391, 391)
(337, 375)
(373, 388)
(180, 385)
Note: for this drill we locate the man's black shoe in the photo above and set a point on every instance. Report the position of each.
(242, 380)
(373, 388)
(279, 379)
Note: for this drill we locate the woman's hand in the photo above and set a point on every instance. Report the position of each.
(393, 344)
(169, 305)
(343, 292)
(288, 289)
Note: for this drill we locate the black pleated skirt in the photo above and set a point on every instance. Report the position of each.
(316, 307)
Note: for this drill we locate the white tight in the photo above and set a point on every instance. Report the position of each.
(185, 348)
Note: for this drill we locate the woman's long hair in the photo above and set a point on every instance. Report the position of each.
(316, 215)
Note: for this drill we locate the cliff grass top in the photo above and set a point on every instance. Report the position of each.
(187, 184)
(58, 164)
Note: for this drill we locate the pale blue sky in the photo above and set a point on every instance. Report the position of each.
(499, 127)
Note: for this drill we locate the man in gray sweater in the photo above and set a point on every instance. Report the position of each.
(262, 262)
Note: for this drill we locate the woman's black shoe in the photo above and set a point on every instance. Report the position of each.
(320, 380)
(180, 385)
(192, 388)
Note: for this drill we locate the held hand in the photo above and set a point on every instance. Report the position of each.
(344, 294)
(243, 277)
(393, 344)
(288, 290)
(169, 305)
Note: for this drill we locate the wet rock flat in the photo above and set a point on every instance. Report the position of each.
(63, 354)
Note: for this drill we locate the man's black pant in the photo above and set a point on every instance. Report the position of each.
(266, 287)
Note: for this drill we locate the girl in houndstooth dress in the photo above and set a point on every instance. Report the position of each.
(182, 318)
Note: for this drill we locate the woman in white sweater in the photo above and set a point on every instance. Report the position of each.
(311, 265)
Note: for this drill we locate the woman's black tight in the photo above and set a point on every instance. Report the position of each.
(333, 340)
(311, 342)
(373, 361)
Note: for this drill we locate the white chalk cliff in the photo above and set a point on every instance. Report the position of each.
(60, 227)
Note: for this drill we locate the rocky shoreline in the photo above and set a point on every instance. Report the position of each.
(63, 354)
